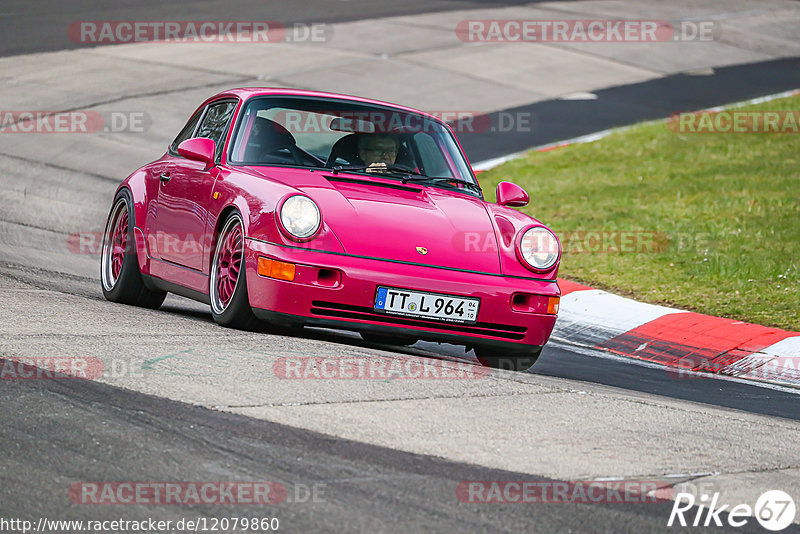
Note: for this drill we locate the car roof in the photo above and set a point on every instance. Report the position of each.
(247, 92)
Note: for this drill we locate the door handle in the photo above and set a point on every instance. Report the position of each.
(165, 177)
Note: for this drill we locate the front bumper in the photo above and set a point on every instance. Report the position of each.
(338, 290)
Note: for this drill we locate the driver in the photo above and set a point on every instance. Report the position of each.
(378, 148)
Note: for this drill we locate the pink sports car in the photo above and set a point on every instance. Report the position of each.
(302, 208)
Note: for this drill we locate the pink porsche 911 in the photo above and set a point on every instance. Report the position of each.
(302, 208)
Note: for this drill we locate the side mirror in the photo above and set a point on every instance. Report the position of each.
(199, 149)
(509, 194)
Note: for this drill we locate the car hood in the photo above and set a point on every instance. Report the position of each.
(424, 225)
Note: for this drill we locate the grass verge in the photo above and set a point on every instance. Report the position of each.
(702, 221)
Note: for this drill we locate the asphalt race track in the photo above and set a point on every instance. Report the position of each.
(404, 491)
(185, 400)
(628, 104)
(27, 27)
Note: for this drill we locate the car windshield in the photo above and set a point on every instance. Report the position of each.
(347, 136)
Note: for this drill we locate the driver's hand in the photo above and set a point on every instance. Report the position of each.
(377, 167)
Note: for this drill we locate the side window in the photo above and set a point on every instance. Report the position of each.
(214, 123)
(187, 131)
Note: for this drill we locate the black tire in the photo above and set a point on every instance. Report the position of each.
(234, 312)
(127, 286)
(387, 339)
(511, 361)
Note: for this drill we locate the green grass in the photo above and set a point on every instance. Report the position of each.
(724, 207)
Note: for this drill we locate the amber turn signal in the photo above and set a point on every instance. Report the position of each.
(552, 305)
(276, 269)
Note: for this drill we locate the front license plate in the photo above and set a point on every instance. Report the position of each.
(428, 305)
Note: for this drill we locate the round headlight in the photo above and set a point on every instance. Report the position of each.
(300, 216)
(539, 248)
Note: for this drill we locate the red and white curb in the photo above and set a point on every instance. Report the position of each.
(687, 343)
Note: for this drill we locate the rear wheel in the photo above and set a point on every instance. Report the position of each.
(387, 339)
(512, 361)
(230, 305)
(119, 265)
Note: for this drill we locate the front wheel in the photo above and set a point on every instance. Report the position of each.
(227, 289)
(119, 265)
(512, 361)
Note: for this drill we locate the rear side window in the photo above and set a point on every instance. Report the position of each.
(215, 122)
(187, 131)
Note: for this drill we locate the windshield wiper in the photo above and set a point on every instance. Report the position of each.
(410, 175)
(373, 169)
(444, 179)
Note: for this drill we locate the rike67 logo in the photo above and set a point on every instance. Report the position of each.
(774, 510)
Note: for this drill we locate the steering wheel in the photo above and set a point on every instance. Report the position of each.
(292, 148)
